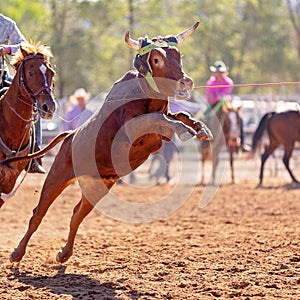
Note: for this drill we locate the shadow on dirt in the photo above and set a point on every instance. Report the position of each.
(76, 285)
(287, 186)
(291, 186)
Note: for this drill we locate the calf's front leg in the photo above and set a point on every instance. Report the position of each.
(203, 132)
(157, 123)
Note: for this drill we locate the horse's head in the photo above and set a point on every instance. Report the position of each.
(161, 58)
(36, 77)
(232, 123)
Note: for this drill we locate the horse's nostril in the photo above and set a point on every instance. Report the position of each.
(45, 108)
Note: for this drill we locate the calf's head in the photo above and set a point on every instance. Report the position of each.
(161, 59)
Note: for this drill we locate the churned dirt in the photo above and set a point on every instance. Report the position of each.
(243, 245)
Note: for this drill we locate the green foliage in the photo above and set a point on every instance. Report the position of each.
(30, 16)
(253, 37)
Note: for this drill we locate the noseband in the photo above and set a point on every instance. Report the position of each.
(33, 95)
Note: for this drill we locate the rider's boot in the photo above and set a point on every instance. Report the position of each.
(36, 163)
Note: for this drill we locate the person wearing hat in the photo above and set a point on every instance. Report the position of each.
(78, 113)
(221, 90)
(219, 78)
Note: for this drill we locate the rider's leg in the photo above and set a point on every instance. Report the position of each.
(244, 147)
(36, 164)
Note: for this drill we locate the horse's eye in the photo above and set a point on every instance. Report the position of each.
(30, 74)
(156, 61)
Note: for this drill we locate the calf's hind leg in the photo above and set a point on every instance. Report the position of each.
(81, 210)
(91, 194)
(38, 214)
(52, 188)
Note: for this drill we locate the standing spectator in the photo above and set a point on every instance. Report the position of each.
(77, 114)
(10, 40)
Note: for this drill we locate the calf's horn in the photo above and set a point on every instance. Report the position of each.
(130, 42)
(185, 34)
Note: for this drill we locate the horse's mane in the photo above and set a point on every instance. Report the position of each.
(27, 48)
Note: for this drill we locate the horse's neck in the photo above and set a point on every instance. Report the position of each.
(217, 124)
(15, 116)
(221, 116)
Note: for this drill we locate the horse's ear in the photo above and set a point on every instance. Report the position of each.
(23, 49)
(237, 104)
(225, 107)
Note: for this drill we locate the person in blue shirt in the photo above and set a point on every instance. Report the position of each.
(77, 113)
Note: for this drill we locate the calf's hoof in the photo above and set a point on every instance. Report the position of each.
(62, 256)
(204, 134)
(16, 256)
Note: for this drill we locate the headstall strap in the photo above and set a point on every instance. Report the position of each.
(141, 62)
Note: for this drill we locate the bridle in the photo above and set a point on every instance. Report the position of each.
(7, 151)
(24, 85)
(34, 94)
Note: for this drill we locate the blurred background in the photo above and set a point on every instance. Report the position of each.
(258, 40)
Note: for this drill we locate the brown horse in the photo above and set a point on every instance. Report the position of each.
(130, 125)
(282, 129)
(225, 124)
(29, 94)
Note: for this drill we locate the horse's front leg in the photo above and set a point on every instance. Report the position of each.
(231, 165)
(203, 132)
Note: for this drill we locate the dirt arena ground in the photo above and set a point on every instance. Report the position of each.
(243, 245)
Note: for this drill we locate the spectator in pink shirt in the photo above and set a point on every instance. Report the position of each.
(219, 77)
(216, 94)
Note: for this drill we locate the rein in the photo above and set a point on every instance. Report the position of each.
(24, 84)
(2, 67)
(212, 111)
(30, 145)
(16, 113)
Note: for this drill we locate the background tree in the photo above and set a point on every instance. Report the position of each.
(253, 37)
(294, 15)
